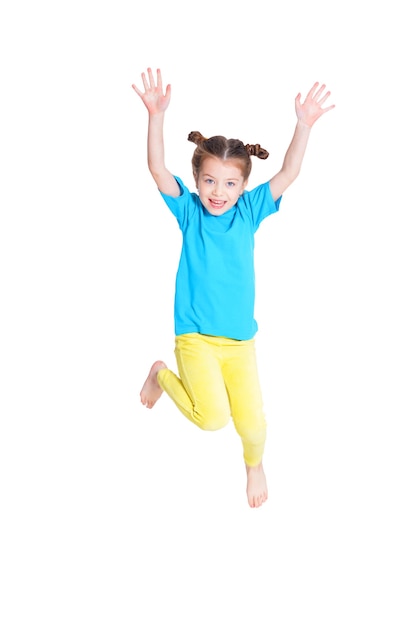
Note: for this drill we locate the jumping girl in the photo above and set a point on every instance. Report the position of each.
(215, 284)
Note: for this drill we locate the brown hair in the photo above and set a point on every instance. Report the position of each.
(222, 148)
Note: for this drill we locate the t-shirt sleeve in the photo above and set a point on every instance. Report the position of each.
(260, 203)
(181, 206)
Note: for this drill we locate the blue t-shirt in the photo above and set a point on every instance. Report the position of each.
(215, 283)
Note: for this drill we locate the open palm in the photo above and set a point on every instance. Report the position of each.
(311, 109)
(153, 96)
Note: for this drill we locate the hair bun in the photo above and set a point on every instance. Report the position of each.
(196, 137)
(257, 150)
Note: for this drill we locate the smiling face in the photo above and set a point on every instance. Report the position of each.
(219, 184)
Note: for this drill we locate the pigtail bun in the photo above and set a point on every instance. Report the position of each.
(196, 137)
(256, 150)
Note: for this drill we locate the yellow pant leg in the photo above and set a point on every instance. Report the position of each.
(199, 391)
(240, 373)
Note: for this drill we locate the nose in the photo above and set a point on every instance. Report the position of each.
(217, 190)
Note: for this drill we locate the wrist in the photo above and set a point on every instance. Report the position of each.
(155, 115)
(303, 125)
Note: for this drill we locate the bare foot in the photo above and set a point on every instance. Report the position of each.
(151, 391)
(256, 490)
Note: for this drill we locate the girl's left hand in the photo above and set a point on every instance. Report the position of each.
(311, 109)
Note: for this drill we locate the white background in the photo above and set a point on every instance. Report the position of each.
(113, 514)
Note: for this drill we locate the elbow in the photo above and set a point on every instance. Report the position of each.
(156, 170)
(293, 171)
(290, 175)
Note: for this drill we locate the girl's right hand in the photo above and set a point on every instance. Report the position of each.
(153, 96)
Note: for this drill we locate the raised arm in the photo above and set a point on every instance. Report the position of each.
(156, 102)
(308, 113)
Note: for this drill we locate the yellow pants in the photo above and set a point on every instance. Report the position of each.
(218, 378)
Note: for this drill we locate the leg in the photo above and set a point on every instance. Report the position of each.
(242, 382)
(199, 391)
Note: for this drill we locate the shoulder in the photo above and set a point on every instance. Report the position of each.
(183, 206)
(260, 193)
(259, 203)
(183, 190)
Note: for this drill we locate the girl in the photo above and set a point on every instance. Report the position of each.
(215, 284)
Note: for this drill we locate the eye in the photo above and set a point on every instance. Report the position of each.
(230, 183)
(209, 181)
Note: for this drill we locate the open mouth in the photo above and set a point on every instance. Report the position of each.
(217, 204)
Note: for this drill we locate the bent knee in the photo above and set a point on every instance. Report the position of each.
(211, 421)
